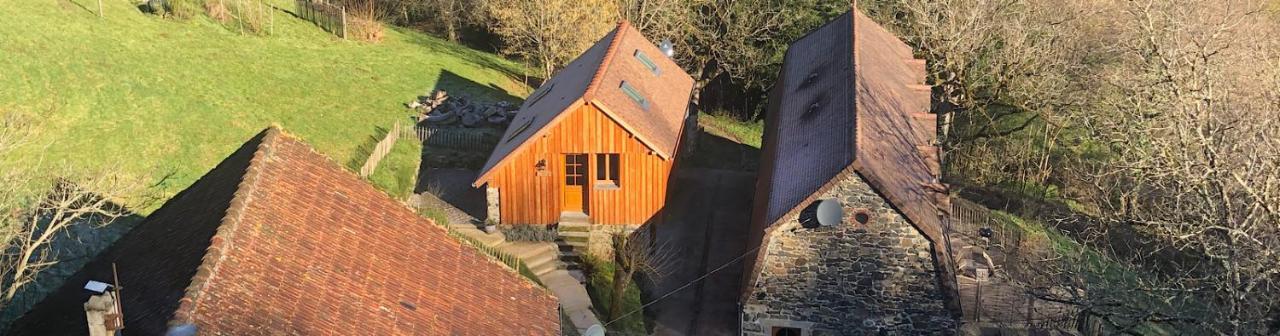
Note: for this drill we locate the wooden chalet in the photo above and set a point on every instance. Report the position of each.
(598, 139)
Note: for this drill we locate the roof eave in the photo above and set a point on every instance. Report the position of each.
(485, 174)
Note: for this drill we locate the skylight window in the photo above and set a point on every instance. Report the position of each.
(635, 95)
(521, 129)
(541, 93)
(648, 63)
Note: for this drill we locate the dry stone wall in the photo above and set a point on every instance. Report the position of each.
(877, 278)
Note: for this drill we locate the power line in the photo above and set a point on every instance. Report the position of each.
(690, 283)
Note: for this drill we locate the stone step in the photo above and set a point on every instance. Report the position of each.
(541, 260)
(567, 227)
(582, 234)
(570, 256)
(577, 242)
(546, 267)
(475, 233)
(574, 218)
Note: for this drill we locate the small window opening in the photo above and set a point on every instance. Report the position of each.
(607, 167)
(786, 331)
(648, 63)
(862, 216)
(635, 95)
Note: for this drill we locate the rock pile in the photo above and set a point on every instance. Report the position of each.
(440, 109)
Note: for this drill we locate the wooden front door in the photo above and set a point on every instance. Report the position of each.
(574, 190)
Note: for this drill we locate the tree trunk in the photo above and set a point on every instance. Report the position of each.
(621, 279)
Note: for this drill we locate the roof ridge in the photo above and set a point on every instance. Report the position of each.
(589, 93)
(221, 240)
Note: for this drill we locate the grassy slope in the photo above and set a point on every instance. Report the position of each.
(155, 98)
(730, 127)
(397, 172)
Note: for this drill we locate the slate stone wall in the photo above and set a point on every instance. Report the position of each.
(876, 278)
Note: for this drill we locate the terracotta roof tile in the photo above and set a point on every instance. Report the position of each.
(281, 240)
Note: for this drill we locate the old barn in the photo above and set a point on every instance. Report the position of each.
(596, 142)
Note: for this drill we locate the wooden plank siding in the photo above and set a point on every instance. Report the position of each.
(529, 198)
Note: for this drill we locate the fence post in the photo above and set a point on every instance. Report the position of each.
(99, 9)
(344, 22)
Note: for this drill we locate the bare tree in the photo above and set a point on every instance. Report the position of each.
(37, 208)
(1192, 122)
(550, 32)
(635, 253)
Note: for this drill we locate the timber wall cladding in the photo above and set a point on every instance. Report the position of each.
(532, 197)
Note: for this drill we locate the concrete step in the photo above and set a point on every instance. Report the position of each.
(541, 260)
(475, 233)
(583, 234)
(574, 218)
(568, 227)
(570, 256)
(547, 267)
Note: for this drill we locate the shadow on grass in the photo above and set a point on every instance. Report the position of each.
(73, 247)
(362, 152)
(440, 46)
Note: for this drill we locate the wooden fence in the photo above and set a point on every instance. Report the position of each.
(330, 17)
(455, 138)
(1002, 301)
(968, 218)
(380, 150)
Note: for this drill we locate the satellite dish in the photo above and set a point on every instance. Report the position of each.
(822, 213)
(667, 48)
(830, 212)
(594, 330)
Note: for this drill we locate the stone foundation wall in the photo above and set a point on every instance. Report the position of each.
(851, 279)
(494, 210)
(601, 241)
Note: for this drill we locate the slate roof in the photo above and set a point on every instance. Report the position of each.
(278, 239)
(850, 99)
(595, 77)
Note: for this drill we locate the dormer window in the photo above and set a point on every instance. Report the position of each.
(635, 95)
(648, 63)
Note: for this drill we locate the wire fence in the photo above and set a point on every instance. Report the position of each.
(330, 17)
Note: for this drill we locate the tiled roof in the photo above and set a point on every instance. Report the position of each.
(851, 98)
(596, 77)
(278, 239)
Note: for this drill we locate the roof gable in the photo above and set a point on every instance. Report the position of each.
(596, 78)
(302, 242)
(850, 98)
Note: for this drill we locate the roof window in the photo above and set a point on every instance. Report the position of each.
(648, 63)
(635, 95)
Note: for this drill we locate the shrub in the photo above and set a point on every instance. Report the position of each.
(364, 29)
(182, 9)
(530, 233)
(250, 16)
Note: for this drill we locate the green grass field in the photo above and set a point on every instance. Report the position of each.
(166, 100)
